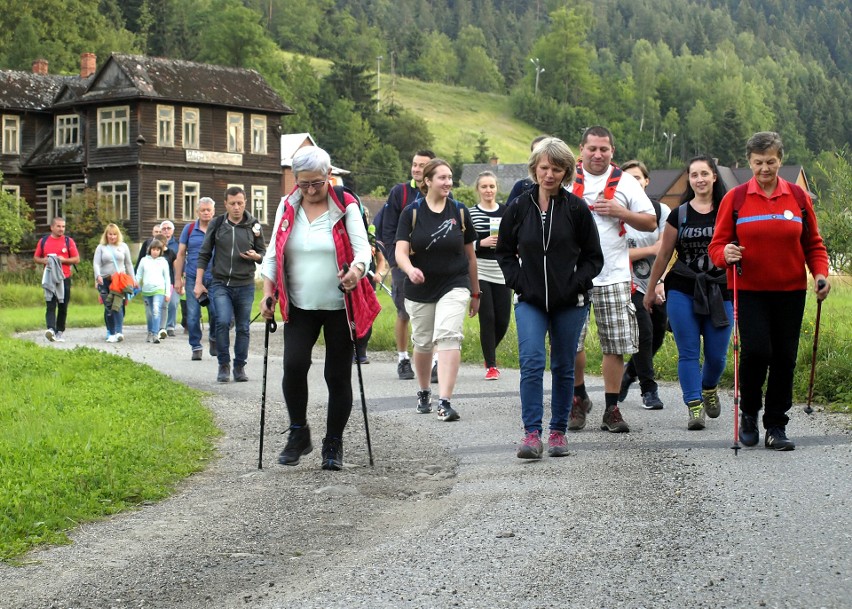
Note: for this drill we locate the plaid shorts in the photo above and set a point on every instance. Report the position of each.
(615, 316)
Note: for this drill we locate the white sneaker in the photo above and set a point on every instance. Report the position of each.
(119, 337)
(112, 338)
(49, 335)
(59, 338)
(163, 334)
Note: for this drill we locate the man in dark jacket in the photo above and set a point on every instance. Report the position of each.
(235, 242)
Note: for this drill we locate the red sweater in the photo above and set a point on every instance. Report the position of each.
(770, 229)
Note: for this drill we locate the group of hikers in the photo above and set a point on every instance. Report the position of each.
(579, 234)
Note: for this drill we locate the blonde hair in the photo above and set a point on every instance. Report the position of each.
(484, 174)
(112, 228)
(559, 155)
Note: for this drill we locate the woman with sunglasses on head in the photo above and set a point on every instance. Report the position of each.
(315, 268)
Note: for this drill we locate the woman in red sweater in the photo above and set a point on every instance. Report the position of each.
(760, 229)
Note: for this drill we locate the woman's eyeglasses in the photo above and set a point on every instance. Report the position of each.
(308, 185)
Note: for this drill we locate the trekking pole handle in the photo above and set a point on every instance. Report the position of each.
(270, 323)
(821, 284)
(739, 263)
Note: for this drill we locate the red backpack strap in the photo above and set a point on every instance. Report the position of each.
(579, 186)
(612, 182)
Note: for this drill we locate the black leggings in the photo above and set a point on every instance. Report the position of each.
(652, 333)
(300, 335)
(495, 311)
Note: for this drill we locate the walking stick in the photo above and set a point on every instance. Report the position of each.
(350, 317)
(736, 447)
(271, 327)
(808, 409)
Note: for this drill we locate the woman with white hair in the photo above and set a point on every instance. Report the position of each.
(319, 251)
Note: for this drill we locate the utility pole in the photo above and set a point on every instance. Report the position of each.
(379, 83)
(670, 140)
(538, 71)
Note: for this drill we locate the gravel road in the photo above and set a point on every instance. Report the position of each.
(449, 517)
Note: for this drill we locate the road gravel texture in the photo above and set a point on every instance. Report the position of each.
(449, 517)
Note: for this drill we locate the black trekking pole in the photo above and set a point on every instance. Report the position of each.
(808, 409)
(350, 317)
(271, 327)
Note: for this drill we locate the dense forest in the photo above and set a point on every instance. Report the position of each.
(670, 77)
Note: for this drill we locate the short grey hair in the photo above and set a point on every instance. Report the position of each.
(205, 201)
(763, 142)
(311, 158)
(167, 224)
(559, 154)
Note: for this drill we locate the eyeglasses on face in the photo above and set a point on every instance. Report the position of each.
(308, 185)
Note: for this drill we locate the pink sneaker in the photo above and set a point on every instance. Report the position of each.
(531, 447)
(557, 444)
(492, 374)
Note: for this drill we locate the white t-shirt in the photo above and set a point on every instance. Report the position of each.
(628, 194)
(635, 238)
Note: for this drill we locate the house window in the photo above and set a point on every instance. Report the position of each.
(77, 189)
(235, 132)
(258, 203)
(165, 199)
(190, 128)
(11, 134)
(117, 195)
(166, 126)
(15, 191)
(258, 134)
(190, 199)
(55, 202)
(113, 126)
(67, 130)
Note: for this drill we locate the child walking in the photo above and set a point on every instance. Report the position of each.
(154, 281)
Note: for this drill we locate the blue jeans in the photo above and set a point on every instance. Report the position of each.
(153, 304)
(563, 327)
(235, 301)
(114, 320)
(193, 315)
(688, 328)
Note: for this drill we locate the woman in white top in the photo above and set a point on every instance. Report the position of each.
(112, 256)
(495, 301)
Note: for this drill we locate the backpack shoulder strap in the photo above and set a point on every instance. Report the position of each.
(43, 242)
(681, 219)
(658, 210)
(578, 187)
(801, 199)
(612, 182)
(460, 209)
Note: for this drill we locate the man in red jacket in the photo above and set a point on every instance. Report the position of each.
(65, 250)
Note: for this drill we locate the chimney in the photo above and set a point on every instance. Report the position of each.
(494, 161)
(88, 64)
(40, 66)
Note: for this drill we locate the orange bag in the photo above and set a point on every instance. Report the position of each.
(121, 282)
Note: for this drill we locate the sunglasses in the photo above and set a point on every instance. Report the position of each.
(308, 185)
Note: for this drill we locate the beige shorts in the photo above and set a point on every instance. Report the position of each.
(438, 325)
(615, 316)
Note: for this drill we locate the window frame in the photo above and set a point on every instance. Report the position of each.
(262, 216)
(170, 205)
(103, 122)
(15, 146)
(189, 217)
(165, 126)
(237, 129)
(124, 198)
(195, 124)
(61, 127)
(259, 128)
(56, 203)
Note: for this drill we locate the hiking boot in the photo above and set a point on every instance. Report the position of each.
(446, 412)
(332, 454)
(196, 355)
(613, 421)
(240, 374)
(712, 406)
(492, 374)
(224, 373)
(50, 335)
(557, 444)
(298, 444)
(776, 439)
(404, 371)
(749, 435)
(578, 415)
(213, 350)
(424, 401)
(626, 381)
(531, 447)
(696, 415)
(58, 337)
(434, 378)
(651, 400)
(162, 334)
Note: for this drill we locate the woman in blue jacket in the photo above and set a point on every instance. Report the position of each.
(549, 251)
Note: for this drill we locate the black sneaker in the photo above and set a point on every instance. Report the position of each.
(224, 373)
(424, 401)
(213, 350)
(435, 372)
(332, 454)
(626, 381)
(749, 435)
(776, 439)
(403, 369)
(298, 444)
(240, 374)
(651, 400)
(196, 355)
(446, 412)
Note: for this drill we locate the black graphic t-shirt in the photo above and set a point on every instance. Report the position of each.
(691, 247)
(437, 249)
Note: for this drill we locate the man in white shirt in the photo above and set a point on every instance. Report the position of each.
(617, 200)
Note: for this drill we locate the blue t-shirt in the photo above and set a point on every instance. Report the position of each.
(193, 242)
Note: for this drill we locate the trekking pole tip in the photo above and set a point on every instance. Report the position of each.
(736, 448)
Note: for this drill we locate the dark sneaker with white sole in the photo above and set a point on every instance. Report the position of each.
(446, 412)
(651, 400)
(749, 435)
(424, 401)
(332, 454)
(776, 439)
(404, 371)
(298, 444)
